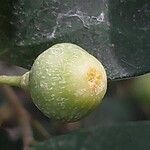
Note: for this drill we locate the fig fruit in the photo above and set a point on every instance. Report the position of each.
(66, 82)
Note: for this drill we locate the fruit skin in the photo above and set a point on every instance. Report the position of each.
(66, 82)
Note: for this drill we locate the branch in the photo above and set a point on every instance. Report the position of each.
(22, 114)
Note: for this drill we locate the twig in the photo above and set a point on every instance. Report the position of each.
(22, 115)
(5, 113)
(38, 126)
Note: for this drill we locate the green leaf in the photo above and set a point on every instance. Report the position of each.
(129, 136)
(116, 31)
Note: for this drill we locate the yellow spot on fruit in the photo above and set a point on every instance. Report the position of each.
(94, 79)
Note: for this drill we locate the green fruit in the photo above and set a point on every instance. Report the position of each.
(66, 82)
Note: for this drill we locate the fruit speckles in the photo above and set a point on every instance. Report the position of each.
(66, 82)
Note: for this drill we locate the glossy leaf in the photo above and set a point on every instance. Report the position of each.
(127, 136)
(117, 32)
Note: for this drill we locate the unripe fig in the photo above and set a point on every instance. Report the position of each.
(66, 82)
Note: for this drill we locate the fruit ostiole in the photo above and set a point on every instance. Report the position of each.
(65, 82)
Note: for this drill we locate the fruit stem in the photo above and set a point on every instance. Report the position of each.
(18, 81)
(10, 80)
